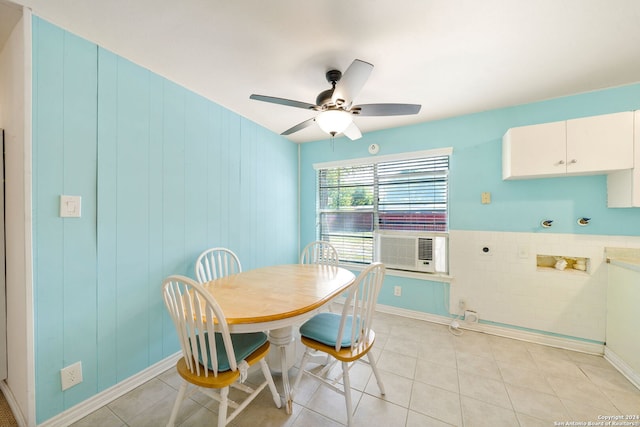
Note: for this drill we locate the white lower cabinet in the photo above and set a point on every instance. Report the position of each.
(623, 295)
(585, 146)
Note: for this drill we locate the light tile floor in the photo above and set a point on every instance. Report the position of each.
(432, 378)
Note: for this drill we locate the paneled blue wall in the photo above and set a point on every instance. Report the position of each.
(163, 174)
(476, 167)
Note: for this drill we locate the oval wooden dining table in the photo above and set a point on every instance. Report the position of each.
(276, 299)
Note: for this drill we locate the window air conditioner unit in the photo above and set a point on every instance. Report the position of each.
(425, 253)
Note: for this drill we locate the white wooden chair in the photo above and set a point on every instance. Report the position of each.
(347, 337)
(319, 252)
(213, 359)
(215, 263)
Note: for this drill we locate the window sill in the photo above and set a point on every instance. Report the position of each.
(432, 277)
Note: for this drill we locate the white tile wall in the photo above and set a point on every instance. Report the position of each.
(505, 285)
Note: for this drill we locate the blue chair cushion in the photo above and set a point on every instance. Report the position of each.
(324, 327)
(243, 346)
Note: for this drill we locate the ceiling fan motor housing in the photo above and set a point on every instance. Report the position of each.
(324, 98)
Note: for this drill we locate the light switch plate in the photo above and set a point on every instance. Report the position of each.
(70, 206)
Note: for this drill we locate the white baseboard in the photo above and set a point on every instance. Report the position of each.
(622, 366)
(533, 337)
(11, 401)
(107, 396)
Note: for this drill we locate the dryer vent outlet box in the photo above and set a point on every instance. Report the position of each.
(470, 316)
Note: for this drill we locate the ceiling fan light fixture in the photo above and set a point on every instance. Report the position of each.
(334, 122)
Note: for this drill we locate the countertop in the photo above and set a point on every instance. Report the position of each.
(624, 257)
(630, 263)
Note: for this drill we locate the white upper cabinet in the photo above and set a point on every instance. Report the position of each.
(600, 143)
(623, 187)
(534, 151)
(586, 146)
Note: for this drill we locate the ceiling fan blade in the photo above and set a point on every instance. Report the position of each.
(351, 83)
(385, 109)
(352, 132)
(299, 126)
(283, 101)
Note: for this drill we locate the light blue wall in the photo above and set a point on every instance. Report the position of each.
(163, 174)
(476, 167)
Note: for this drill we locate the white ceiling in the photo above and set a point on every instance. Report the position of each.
(453, 57)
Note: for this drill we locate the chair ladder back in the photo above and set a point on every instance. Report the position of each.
(195, 314)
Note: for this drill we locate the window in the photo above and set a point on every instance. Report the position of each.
(392, 194)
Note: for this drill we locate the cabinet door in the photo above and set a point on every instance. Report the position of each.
(623, 293)
(600, 143)
(623, 187)
(534, 151)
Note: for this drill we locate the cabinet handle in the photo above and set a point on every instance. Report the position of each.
(573, 161)
(561, 162)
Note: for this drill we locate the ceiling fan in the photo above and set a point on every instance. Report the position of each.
(336, 104)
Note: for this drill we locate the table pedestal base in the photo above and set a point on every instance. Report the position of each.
(282, 340)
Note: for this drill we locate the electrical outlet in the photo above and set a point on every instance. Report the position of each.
(523, 252)
(71, 375)
(470, 316)
(397, 291)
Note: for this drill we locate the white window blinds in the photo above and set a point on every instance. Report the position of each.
(346, 211)
(354, 201)
(412, 195)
